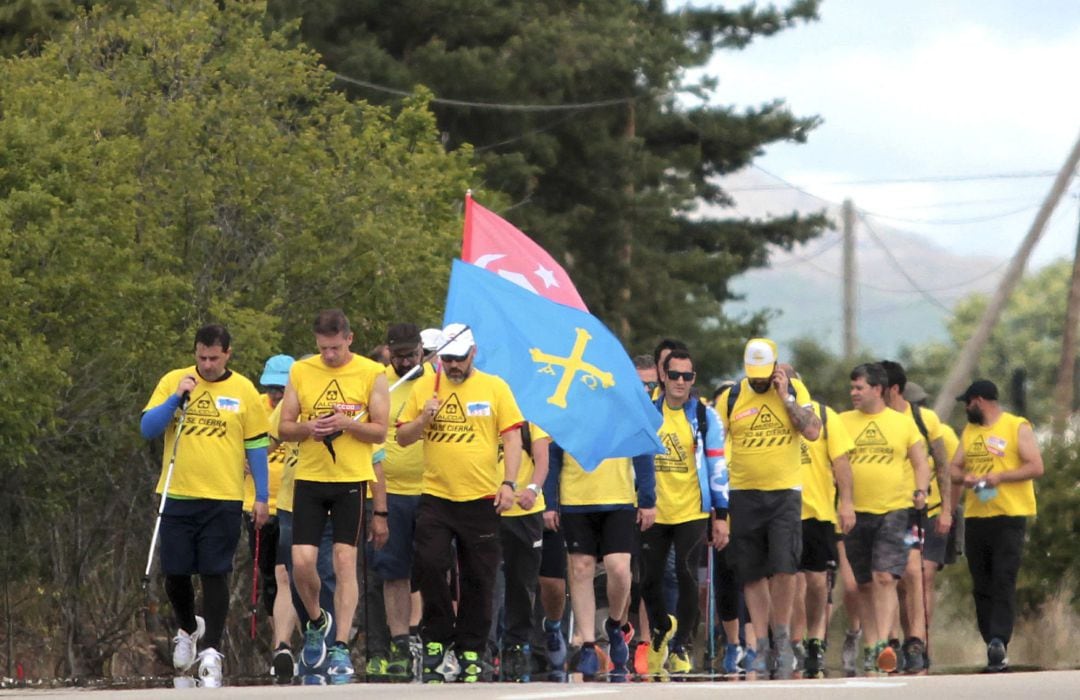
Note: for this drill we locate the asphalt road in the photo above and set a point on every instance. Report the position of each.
(1045, 685)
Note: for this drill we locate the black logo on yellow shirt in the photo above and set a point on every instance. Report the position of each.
(450, 424)
(203, 406)
(977, 448)
(872, 447)
(330, 398)
(674, 457)
(767, 430)
(766, 420)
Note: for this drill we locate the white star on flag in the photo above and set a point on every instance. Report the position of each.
(547, 276)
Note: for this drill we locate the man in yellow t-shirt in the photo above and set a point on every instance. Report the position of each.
(521, 532)
(765, 417)
(998, 462)
(335, 408)
(460, 413)
(826, 480)
(212, 420)
(404, 469)
(691, 483)
(888, 449)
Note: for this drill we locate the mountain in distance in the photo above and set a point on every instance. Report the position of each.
(804, 287)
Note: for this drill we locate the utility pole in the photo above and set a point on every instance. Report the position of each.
(1063, 391)
(850, 341)
(961, 371)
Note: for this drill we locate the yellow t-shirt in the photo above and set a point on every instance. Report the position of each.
(525, 473)
(291, 456)
(221, 415)
(765, 448)
(995, 448)
(404, 466)
(275, 462)
(879, 464)
(611, 483)
(461, 445)
(321, 391)
(678, 493)
(934, 431)
(819, 484)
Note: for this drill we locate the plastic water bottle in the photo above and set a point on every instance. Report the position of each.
(984, 491)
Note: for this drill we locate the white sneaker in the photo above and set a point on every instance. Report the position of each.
(449, 668)
(184, 645)
(210, 668)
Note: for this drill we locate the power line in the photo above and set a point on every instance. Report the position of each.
(900, 268)
(897, 181)
(956, 222)
(498, 106)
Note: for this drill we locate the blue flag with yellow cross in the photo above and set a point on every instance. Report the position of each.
(569, 373)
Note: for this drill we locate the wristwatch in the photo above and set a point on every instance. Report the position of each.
(511, 484)
(534, 488)
(917, 493)
(790, 400)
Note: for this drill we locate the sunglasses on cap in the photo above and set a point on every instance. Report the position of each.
(454, 358)
(676, 376)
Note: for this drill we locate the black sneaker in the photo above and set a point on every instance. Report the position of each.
(399, 663)
(815, 658)
(996, 658)
(283, 666)
(515, 664)
(474, 668)
(914, 655)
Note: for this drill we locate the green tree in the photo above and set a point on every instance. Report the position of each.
(611, 189)
(160, 170)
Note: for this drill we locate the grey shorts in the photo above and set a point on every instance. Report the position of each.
(766, 533)
(933, 544)
(876, 543)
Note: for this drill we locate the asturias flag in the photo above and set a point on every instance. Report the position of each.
(569, 373)
(494, 244)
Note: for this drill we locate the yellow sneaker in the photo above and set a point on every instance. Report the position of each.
(679, 662)
(658, 650)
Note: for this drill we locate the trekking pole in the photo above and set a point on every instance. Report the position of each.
(329, 439)
(165, 491)
(364, 562)
(710, 612)
(919, 523)
(830, 582)
(255, 579)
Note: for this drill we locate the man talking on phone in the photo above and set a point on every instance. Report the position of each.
(765, 416)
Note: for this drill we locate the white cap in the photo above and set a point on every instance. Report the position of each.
(429, 338)
(462, 340)
(759, 360)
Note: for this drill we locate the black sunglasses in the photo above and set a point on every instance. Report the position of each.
(454, 358)
(650, 386)
(676, 376)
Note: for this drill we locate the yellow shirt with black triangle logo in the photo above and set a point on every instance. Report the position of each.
(525, 473)
(935, 430)
(403, 466)
(611, 483)
(995, 448)
(765, 449)
(879, 463)
(275, 466)
(461, 445)
(678, 493)
(819, 484)
(288, 471)
(322, 390)
(221, 415)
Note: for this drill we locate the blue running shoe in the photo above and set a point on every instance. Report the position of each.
(555, 643)
(314, 651)
(618, 651)
(340, 663)
(588, 663)
(732, 657)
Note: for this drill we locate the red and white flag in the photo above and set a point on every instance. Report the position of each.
(496, 245)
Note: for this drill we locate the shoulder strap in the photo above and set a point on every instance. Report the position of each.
(702, 420)
(526, 439)
(824, 421)
(732, 397)
(916, 413)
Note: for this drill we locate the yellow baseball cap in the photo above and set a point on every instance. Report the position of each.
(759, 358)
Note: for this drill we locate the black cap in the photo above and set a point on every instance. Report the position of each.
(403, 336)
(981, 389)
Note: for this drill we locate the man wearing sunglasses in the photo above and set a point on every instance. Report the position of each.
(766, 415)
(691, 482)
(460, 414)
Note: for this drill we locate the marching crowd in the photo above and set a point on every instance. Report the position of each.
(478, 525)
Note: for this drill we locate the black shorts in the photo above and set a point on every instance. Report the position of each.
(553, 555)
(818, 545)
(199, 536)
(313, 501)
(600, 533)
(766, 533)
(876, 543)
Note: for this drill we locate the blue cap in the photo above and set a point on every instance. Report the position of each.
(276, 371)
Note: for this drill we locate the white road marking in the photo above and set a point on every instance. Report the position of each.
(852, 683)
(559, 694)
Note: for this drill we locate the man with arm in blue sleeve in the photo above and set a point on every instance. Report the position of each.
(223, 426)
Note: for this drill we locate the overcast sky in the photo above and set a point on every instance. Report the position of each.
(927, 89)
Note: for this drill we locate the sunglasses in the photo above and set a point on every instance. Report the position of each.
(454, 358)
(651, 386)
(676, 376)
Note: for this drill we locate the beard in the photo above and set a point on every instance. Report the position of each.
(975, 415)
